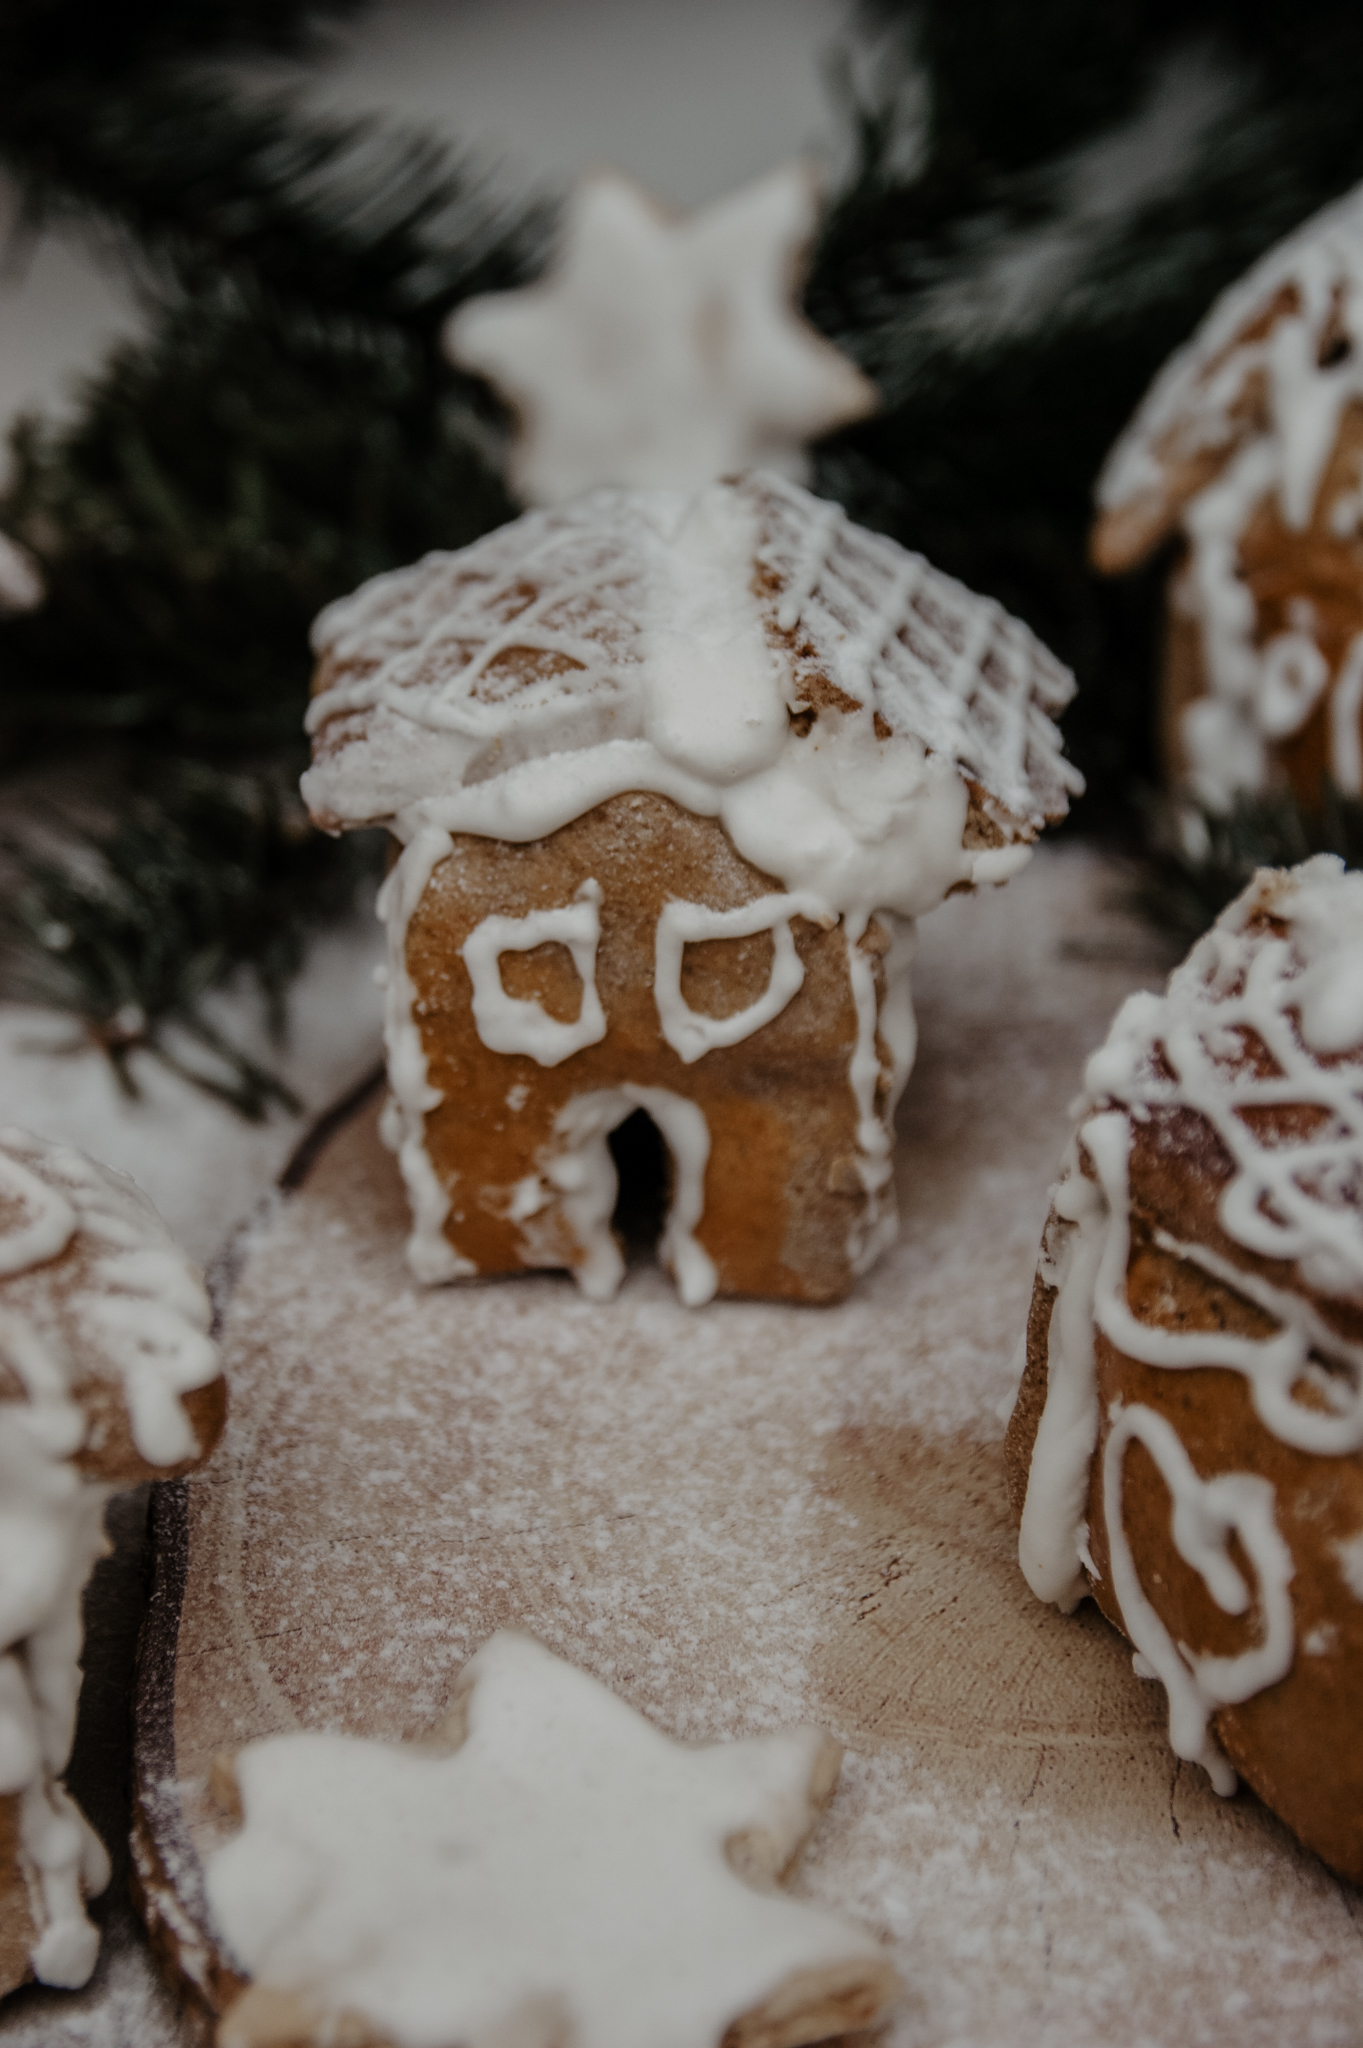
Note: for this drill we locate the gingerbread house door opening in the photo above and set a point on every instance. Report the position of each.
(644, 1186)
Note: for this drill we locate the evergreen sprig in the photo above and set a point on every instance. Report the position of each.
(287, 427)
(207, 878)
(1198, 861)
(1044, 201)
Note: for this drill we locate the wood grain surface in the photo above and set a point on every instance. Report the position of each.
(750, 1515)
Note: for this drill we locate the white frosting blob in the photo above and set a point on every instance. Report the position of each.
(862, 823)
(1207, 1513)
(714, 695)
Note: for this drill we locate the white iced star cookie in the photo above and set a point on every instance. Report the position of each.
(663, 351)
(551, 1870)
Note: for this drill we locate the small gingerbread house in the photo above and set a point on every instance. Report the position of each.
(1249, 448)
(673, 774)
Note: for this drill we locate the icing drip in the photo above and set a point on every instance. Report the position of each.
(620, 644)
(508, 1023)
(560, 1871)
(1207, 1513)
(584, 1177)
(1309, 366)
(50, 1220)
(1346, 721)
(1293, 990)
(134, 1311)
(690, 1034)
(430, 1254)
(874, 1229)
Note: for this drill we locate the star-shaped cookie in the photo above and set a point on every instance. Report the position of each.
(552, 1870)
(663, 351)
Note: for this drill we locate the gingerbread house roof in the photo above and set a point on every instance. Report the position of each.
(665, 640)
(1273, 365)
(1260, 1031)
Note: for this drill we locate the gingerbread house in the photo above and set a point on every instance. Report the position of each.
(1248, 450)
(673, 774)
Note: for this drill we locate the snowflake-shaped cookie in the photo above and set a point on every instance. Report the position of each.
(552, 1870)
(663, 351)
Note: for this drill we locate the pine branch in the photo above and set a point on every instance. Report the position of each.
(209, 877)
(224, 481)
(205, 183)
(1043, 205)
(288, 428)
(1198, 861)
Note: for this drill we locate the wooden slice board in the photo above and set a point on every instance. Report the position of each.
(742, 1517)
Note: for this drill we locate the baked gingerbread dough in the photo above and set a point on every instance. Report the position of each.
(1187, 1444)
(107, 1377)
(674, 775)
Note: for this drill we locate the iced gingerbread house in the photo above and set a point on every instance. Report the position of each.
(673, 775)
(1249, 449)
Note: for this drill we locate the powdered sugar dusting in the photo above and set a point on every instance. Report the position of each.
(758, 1515)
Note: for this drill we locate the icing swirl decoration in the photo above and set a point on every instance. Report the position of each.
(1259, 1038)
(1250, 441)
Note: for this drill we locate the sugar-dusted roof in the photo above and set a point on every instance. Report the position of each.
(1261, 1024)
(555, 635)
(1278, 356)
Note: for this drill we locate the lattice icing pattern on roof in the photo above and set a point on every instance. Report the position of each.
(937, 661)
(1266, 1016)
(552, 635)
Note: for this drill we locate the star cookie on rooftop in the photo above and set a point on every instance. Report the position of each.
(663, 351)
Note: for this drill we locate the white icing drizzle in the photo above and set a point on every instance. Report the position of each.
(430, 1254)
(138, 1313)
(1346, 721)
(1207, 1513)
(50, 1225)
(1300, 994)
(875, 1227)
(582, 1174)
(647, 663)
(1204, 400)
(1350, 1555)
(512, 1024)
(564, 1873)
(634, 593)
(690, 1034)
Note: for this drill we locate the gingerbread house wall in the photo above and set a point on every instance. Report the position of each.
(1305, 586)
(787, 1209)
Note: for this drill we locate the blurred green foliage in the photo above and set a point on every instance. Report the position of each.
(1039, 204)
(1044, 202)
